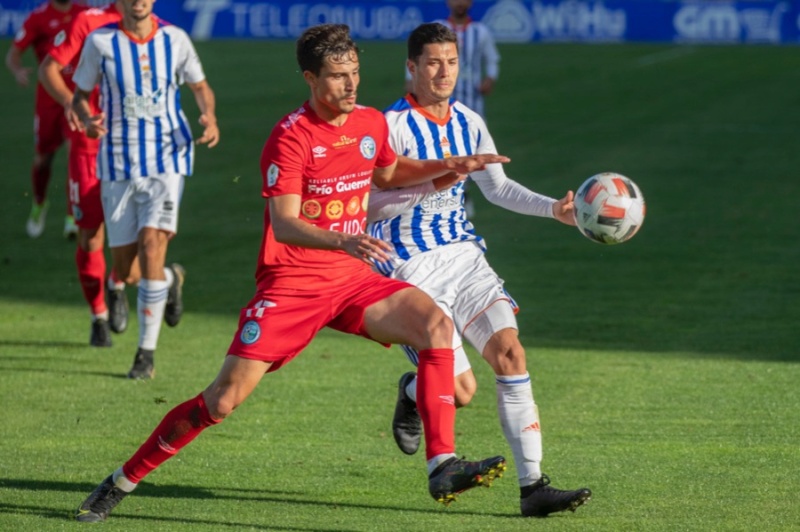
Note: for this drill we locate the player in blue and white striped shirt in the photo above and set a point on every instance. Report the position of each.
(146, 150)
(435, 247)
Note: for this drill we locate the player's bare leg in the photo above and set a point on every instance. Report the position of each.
(410, 317)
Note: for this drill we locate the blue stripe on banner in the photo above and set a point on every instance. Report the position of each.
(411, 353)
(121, 86)
(416, 229)
(168, 60)
(462, 121)
(137, 76)
(402, 252)
(108, 139)
(422, 152)
(151, 50)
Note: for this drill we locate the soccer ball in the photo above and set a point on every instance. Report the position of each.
(609, 208)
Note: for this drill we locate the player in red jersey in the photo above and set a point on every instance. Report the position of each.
(314, 271)
(49, 124)
(84, 187)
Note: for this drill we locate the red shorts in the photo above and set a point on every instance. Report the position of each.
(276, 328)
(50, 127)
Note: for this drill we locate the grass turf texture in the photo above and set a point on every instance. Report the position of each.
(665, 369)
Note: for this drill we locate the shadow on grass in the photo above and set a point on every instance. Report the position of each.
(82, 489)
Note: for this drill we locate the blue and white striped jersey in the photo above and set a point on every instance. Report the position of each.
(148, 133)
(439, 218)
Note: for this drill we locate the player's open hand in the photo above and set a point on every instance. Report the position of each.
(470, 163)
(210, 131)
(94, 126)
(22, 76)
(366, 249)
(73, 120)
(563, 209)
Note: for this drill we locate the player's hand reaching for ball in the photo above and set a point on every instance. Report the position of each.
(210, 131)
(563, 209)
(366, 249)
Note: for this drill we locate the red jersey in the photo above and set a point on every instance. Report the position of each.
(67, 52)
(330, 168)
(44, 26)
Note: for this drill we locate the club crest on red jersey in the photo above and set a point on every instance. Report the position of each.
(367, 147)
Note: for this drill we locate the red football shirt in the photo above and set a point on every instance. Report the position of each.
(44, 26)
(67, 52)
(330, 168)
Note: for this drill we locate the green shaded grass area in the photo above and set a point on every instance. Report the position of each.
(665, 369)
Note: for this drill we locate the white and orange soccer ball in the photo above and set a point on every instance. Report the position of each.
(609, 208)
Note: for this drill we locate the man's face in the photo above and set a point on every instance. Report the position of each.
(137, 9)
(459, 8)
(336, 86)
(435, 74)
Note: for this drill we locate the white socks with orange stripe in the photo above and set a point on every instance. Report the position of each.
(519, 418)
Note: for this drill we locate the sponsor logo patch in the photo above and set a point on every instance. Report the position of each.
(251, 332)
(60, 37)
(367, 147)
(272, 175)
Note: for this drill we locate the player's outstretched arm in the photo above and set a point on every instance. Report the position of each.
(284, 214)
(18, 70)
(407, 172)
(206, 102)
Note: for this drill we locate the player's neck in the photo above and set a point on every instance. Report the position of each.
(460, 21)
(140, 30)
(326, 114)
(438, 109)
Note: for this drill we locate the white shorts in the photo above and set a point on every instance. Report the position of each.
(467, 289)
(130, 205)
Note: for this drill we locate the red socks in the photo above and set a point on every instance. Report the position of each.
(435, 400)
(92, 273)
(40, 178)
(179, 427)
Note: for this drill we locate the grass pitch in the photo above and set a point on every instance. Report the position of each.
(665, 369)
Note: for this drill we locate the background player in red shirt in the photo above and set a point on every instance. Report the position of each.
(62, 58)
(50, 129)
(314, 271)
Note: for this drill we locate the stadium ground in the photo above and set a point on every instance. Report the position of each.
(665, 369)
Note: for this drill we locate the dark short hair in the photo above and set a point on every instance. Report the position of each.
(321, 41)
(428, 33)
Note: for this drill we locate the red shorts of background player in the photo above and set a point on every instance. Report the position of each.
(276, 327)
(50, 128)
(84, 187)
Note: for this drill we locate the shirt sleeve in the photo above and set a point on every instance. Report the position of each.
(388, 203)
(190, 69)
(282, 164)
(26, 34)
(386, 155)
(88, 73)
(64, 52)
(504, 192)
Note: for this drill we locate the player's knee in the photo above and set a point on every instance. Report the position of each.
(507, 357)
(219, 407)
(440, 329)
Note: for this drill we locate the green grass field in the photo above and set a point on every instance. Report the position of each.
(666, 370)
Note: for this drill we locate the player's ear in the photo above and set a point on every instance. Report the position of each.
(310, 78)
(411, 66)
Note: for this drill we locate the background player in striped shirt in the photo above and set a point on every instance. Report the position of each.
(55, 75)
(479, 65)
(145, 151)
(313, 271)
(435, 247)
(49, 124)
